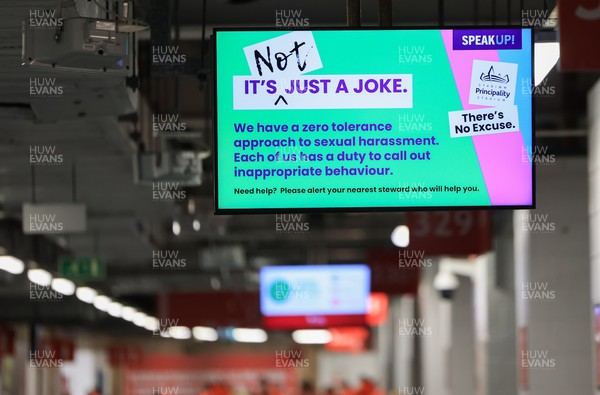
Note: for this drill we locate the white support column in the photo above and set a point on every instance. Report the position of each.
(522, 260)
(558, 289)
(594, 198)
(433, 357)
(499, 288)
(401, 308)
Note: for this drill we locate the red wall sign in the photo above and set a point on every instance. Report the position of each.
(212, 309)
(377, 313)
(432, 233)
(438, 233)
(579, 24)
(7, 341)
(189, 374)
(388, 277)
(119, 355)
(56, 349)
(348, 339)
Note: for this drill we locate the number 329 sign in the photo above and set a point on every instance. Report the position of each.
(450, 232)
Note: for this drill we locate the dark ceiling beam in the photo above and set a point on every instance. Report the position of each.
(66, 313)
(160, 36)
(38, 248)
(353, 13)
(385, 13)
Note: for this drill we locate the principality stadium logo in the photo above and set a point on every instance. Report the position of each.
(491, 77)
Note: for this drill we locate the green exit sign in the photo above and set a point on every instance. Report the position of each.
(82, 268)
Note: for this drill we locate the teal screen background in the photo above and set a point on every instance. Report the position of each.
(453, 162)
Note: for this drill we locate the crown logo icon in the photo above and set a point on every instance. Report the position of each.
(492, 77)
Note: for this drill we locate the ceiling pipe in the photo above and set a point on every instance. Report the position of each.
(160, 35)
(160, 28)
(353, 13)
(385, 13)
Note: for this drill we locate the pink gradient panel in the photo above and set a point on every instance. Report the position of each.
(508, 178)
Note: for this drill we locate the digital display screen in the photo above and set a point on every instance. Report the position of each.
(314, 296)
(358, 120)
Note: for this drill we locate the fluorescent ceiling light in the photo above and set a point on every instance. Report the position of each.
(151, 324)
(139, 319)
(11, 264)
(204, 333)
(176, 227)
(191, 206)
(86, 294)
(311, 336)
(546, 56)
(401, 236)
(196, 225)
(247, 335)
(115, 309)
(215, 283)
(128, 313)
(102, 302)
(180, 332)
(64, 286)
(40, 277)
